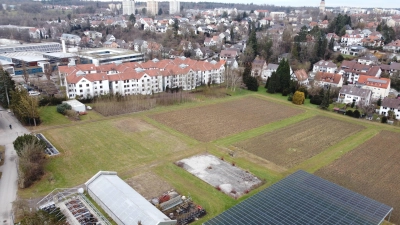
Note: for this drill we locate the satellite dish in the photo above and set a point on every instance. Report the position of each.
(80, 190)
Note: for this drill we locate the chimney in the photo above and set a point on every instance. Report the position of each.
(63, 46)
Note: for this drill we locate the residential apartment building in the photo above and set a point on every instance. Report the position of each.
(135, 78)
(350, 94)
(380, 87)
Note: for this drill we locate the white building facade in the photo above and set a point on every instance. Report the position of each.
(128, 7)
(139, 78)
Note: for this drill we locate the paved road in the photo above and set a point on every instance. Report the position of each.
(8, 181)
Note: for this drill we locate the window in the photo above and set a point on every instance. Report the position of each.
(80, 85)
(81, 91)
(87, 85)
(101, 86)
(100, 81)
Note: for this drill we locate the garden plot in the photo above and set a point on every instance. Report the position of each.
(211, 122)
(293, 144)
(224, 176)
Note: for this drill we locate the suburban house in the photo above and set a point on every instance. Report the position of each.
(368, 59)
(228, 54)
(390, 104)
(324, 79)
(139, 45)
(134, 78)
(350, 94)
(351, 39)
(380, 87)
(353, 50)
(269, 70)
(393, 46)
(301, 77)
(325, 66)
(258, 66)
(394, 67)
(70, 38)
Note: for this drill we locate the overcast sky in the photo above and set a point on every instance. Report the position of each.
(328, 3)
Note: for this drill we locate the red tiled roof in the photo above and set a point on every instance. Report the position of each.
(374, 82)
(328, 77)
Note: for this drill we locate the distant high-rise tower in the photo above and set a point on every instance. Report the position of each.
(128, 7)
(152, 7)
(174, 6)
(322, 6)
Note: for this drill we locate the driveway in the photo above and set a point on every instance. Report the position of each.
(8, 181)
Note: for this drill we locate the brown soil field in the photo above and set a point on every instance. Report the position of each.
(372, 169)
(293, 144)
(211, 122)
(149, 185)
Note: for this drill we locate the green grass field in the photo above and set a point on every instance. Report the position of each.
(133, 144)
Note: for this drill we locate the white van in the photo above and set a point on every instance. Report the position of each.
(33, 93)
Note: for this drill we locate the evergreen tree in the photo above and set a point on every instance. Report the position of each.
(160, 11)
(326, 99)
(273, 83)
(268, 50)
(7, 85)
(283, 73)
(59, 20)
(331, 44)
(379, 103)
(132, 19)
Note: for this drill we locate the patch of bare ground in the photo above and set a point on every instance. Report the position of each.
(149, 185)
(215, 121)
(293, 144)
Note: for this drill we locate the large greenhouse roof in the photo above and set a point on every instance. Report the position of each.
(123, 201)
(303, 198)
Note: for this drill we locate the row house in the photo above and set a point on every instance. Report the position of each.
(352, 70)
(139, 78)
(380, 87)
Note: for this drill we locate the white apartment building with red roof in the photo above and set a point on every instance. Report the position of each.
(133, 78)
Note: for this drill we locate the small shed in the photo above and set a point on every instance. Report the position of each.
(76, 105)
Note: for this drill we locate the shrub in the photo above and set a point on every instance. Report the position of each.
(384, 119)
(349, 113)
(63, 107)
(304, 90)
(353, 104)
(50, 101)
(356, 114)
(27, 139)
(72, 114)
(298, 98)
(31, 164)
(316, 100)
(290, 97)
